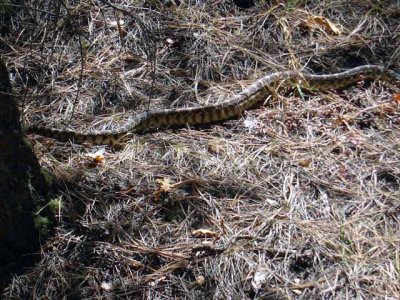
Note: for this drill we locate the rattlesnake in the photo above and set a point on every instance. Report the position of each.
(247, 98)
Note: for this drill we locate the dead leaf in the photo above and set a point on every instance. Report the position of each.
(215, 148)
(323, 24)
(396, 98)
(251, 123)
(271, 202)
(164, 186)
(305, 163)
(259, 279)
(96, 158)
(340, 121)
(200, 280)
(115, 23)
(204, 233)
(298, 292)
(170, 41)
(106, 286)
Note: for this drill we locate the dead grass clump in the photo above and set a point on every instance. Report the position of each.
(298, 199)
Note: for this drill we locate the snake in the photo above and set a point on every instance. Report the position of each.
(248, 98)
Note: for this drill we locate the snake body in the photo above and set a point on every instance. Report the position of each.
(234, 106)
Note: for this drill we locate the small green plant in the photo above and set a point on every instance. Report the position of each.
(47, 177)
(55, 206)
(44, 218)
(42, 224)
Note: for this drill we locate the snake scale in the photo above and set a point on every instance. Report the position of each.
(233, 107)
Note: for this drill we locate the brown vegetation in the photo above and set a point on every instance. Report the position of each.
(296, 200)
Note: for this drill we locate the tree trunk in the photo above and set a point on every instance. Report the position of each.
(22, 186)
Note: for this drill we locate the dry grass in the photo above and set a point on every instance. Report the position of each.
(305, 200)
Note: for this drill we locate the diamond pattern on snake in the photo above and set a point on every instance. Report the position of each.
(233, 107)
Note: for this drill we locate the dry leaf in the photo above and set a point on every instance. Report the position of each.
(251, 123)
(298, 292)
(106, 286)
(170, 41)
(305, 163)
(271, 202)
(114, 23)
(204, 233)
(259, 279)
(215, 148)
(396, 98)
(164, 186)
(322, 24)
(339, 121)
(96, 158)
(200, 280)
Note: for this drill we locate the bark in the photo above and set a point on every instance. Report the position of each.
(22, 186)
